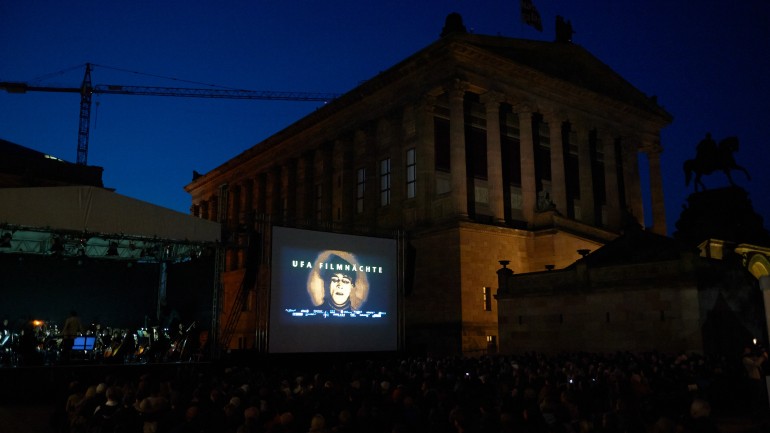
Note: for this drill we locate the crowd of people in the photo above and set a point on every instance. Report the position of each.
(567, 393)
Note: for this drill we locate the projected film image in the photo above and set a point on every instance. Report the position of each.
(332, 292)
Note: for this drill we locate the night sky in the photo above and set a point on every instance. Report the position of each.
(707, 62)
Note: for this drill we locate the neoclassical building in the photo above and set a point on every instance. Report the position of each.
(474, 149)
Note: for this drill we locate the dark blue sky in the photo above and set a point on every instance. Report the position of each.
(708, 62)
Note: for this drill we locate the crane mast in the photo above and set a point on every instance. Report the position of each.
(84, 125)
(87, 90)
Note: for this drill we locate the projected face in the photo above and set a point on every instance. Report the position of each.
(339, 288)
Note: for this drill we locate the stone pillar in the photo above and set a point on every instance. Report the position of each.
(457, 148)
(327, 181)
(633, 187)
(248, 200)
(653, 151)
(491, 102)
(527, 152)
(308, 186)
(273, 192)
(764, 286)
(260, 193)
(344, 193)
(611, 190)
(585, 172)
(426, 155)
(290, 194)
(558, 176)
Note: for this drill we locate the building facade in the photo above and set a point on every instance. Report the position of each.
(475, 148)
(642, 292)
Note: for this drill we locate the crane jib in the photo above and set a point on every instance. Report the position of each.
(86, 90)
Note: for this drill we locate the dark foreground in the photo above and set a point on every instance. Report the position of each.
(570, 393)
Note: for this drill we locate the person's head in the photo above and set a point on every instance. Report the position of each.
(340, 285)
(341, 280)
(317, 423)
(114, 394)
(700, 408)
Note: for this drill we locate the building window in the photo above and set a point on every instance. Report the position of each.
(385, 182)
(360, 189)
(487, 298)
(411, 173)
(441, 143)
(492, 342)
(598, 177)
(215, 211)
(476, 139)
(516, 198)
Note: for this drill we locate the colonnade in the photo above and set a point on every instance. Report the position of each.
(294, 189)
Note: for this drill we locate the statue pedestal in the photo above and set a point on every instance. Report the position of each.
(722, 213)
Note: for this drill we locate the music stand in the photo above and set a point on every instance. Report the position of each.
(85, 343)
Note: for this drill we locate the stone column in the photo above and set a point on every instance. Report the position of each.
(290, 194)
(260, 193)
(653, 151)
(426, 155)
(248, 199)
(273, 192)
(558, 176)
(491, 102)
(327, 181)
(764, 286)
(344, 197)
(611, 181)
(457, 148)
(300, 212)
(633, 188)
(586, 175)
(527, 152)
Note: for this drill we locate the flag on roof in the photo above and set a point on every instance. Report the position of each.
(530, 15)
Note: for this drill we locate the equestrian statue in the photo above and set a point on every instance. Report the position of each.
(711, 157)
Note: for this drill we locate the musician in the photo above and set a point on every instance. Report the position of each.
(71, 329)
(179, 344)
(7, 340)
(28, 345)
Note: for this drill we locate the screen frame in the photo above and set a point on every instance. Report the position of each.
(369, 331)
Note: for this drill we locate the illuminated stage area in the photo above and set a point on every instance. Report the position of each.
(114, 300)
(128, 269)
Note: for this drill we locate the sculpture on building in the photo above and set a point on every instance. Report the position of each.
(564, 30)
(711, 157)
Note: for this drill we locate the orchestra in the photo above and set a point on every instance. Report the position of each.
(40, 342)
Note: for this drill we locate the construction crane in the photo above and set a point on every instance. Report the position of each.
(87, 90)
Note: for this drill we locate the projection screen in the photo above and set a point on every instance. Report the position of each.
(332, 292)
